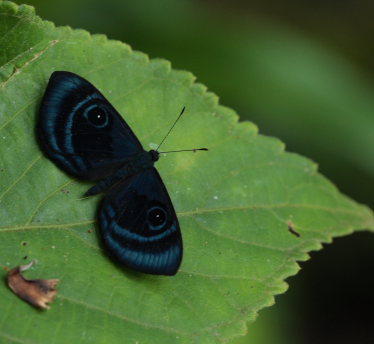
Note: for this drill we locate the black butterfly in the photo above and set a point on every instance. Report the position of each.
(85, 136)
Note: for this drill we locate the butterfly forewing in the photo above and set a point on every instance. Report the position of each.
(81, 131)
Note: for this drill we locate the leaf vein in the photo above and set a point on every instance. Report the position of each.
(219, 234)
(23, 174)
(35, 57)
(65, 226)
(42, 201)
(270, 206)
(122, 317)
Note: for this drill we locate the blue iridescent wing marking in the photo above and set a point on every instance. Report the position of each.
(81, 131)
(139, 225)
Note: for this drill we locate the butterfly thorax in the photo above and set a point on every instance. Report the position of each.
(137, 163)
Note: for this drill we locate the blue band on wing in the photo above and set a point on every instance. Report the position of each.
(126, 230)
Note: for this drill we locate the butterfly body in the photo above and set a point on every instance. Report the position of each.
(138, 163)
(85, 136)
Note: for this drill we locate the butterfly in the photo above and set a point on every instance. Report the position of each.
(83, 134)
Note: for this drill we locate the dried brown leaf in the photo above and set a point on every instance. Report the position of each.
(38, 292)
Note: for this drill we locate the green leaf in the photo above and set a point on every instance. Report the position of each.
(235, 203)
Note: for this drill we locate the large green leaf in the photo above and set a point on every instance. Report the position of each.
(234, 202)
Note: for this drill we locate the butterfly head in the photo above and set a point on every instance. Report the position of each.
(155, 155)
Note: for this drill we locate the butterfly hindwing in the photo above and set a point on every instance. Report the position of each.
(139, 225)
(81, 131)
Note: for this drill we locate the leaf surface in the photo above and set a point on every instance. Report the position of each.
(236, 203)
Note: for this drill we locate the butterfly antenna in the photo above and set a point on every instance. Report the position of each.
(185, 150)
(180, 115)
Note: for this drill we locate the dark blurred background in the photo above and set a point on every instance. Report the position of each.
(303, 71)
